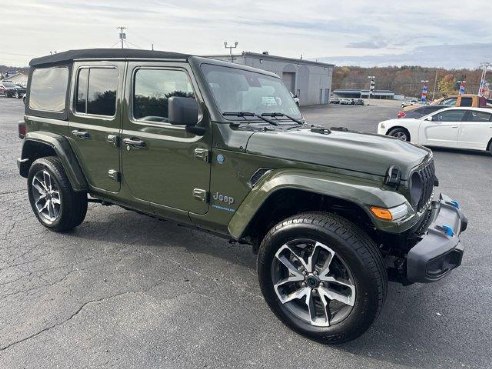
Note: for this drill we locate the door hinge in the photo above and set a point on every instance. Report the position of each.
(114, 175)
(200, 194)
(202, 154)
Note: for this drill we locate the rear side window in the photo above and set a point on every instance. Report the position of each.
(96, 91)
(48, 90)
(466, 101)
(478, 116)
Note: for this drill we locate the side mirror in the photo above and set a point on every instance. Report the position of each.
(182, 111)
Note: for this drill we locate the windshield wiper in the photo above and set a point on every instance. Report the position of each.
(282, 115)
(243, 114)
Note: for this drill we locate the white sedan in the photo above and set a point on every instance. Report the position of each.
(460, 127)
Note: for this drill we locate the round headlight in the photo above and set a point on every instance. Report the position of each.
(416, 189)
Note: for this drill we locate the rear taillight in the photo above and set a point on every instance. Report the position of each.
(401, 114)
(22, 129)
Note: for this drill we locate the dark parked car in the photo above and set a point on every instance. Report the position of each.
(358, 102)
(420, 112)
(10, 89)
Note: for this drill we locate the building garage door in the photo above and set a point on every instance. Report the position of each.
(289, 79)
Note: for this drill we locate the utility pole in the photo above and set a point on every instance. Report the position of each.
(122, 34)
(230, 48)
(435, 86)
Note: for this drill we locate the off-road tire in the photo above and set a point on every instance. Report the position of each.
(400, 133)
(359, 252)
(73, 206)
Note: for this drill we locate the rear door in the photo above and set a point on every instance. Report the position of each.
(168, 166)
(442, 130)
(475, 131)
(95, 122)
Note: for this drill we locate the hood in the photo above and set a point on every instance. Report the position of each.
(367, 153)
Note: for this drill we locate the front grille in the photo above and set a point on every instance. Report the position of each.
(427, 176)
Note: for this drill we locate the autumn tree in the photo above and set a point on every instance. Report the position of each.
(446, 85)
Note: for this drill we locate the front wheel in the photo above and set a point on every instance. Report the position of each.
(400, 133)
(322, 276)
(53, 200)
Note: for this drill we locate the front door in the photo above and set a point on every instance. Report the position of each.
(475, 130)
(95, 122)
(162, 163)
(442, 130)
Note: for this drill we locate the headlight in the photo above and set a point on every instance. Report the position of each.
(416, 189)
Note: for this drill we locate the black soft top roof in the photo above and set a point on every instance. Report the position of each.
(104, 54)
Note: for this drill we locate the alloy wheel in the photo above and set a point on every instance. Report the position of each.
(46, 195)
(313, 283)
(400, 135)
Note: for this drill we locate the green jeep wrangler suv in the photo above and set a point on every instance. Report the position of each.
(332, 214)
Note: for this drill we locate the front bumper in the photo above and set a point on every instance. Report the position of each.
(440, 250)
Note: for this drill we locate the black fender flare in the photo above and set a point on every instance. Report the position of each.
(40, 144)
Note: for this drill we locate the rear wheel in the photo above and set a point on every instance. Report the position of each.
(400, 133)
(322, 276)
(53, 200)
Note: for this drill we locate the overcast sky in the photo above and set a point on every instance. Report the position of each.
(349, 32)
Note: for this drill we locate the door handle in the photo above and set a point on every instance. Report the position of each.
(134, 142)
(454, 126)
(83, 135)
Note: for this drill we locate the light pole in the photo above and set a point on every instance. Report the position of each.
(122, 34)
(425, 89)
(230, 48)
(372, 85)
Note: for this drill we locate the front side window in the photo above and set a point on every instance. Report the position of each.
(450, 116)
(238, 90)
(96, 91)
(153, 88)
(48, 90)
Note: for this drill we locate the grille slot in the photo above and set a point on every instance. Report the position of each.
(427, 175)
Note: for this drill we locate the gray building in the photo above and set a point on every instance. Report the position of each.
(309, 80)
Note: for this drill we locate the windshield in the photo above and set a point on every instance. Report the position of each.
(238, 90)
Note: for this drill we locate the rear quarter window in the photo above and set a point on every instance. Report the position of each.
(48, 89)
(466, 101)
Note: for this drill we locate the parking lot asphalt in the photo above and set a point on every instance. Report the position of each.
(125, 290)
